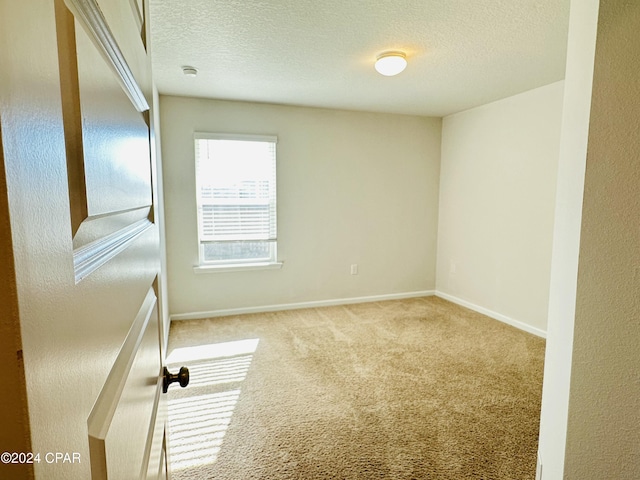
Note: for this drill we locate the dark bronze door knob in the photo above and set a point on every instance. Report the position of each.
(168, 378)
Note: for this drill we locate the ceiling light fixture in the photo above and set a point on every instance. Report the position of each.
(190, 71)
(390, 63)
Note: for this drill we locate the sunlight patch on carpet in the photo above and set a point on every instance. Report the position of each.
(199, 421)
(197, 426)
(213, 350)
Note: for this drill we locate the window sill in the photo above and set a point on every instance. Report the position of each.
(200, 269)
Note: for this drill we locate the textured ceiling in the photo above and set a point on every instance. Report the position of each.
(461, 53)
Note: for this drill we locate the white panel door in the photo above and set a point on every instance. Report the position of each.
(80, 241)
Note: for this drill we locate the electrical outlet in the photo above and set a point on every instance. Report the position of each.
(354, 269)
(453, 268)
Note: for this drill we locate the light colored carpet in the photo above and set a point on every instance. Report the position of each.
(404, 389)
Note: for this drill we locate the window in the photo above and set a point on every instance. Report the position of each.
(236, 197)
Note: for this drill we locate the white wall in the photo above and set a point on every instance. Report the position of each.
(353, 187)
(497, 193)
(566, 241)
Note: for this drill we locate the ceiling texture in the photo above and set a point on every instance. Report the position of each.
(461, 53)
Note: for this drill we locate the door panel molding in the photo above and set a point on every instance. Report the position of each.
(89, 14)
(92, 256)
(137, 7)
(107, 134)
(71, 113)
(116, 422)
(115, 137)
(155, 452)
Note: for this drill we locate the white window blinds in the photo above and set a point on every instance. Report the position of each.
(236, 188)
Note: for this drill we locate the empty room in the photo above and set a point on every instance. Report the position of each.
(309, 240)
(378, 307)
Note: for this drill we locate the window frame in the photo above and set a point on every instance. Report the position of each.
(205, 266)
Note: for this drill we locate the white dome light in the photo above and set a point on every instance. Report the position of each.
(391, 63)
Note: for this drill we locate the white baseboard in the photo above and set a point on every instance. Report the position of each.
(495, 315)
(374, 298)
(539, 468)
(294, 306)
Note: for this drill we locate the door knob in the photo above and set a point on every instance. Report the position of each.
(168, 378)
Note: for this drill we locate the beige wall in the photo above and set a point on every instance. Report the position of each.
(353, 188)
(497, 192)
(603, 431)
